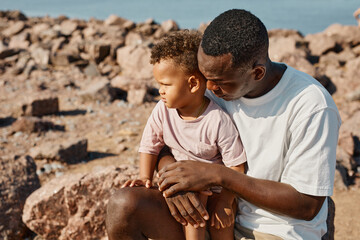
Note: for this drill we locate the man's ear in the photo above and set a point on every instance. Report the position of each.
(259, 72)
(194, 83)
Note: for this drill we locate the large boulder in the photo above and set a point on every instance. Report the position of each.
(71, 150)
(135, 61)
(41, 105)
(18, 180)
(73, 206)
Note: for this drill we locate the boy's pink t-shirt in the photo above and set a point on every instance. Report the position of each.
(211, 138)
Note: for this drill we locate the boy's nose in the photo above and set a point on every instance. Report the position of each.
(161, 91)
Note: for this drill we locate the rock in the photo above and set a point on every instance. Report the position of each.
(300, 63)
(137, 96)
(98, 50)
(122, 82)
(169, 25)
(77, 202)
(67, 27)
(14, 28)
(354, 95)
(41, 106)
(18, 180)
(134, 60)
(33, 124)
(41, 56)
(100, 89)
(133, 39)
(70, 151)
(20, 41)
(346, 36)
(320, 43)
(13, 15)
(91, 70)
(116, 20)
(341, 178)
(68, 54)
(281, 47)
(285, 33)
(6, 52)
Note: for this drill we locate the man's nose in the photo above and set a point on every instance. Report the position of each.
(212, 86)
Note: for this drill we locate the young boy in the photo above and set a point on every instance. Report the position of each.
(192, 126)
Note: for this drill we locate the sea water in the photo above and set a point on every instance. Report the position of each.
(307, 16)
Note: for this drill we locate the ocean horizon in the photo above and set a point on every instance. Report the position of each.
(307, 16)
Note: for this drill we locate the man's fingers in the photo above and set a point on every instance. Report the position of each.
(168, 168)
(184, 214)
(199, 206)
(192, 211)
(170, 190)
(175, 213)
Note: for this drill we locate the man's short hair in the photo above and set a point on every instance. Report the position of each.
(181, 47)
(238, 32)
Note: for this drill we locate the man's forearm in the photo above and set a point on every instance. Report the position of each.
(273, 196)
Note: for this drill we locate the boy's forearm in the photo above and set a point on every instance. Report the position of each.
(165, 160)
(147, 165)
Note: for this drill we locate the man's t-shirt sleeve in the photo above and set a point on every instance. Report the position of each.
(312, 153)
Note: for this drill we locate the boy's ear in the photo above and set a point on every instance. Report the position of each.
(194, 83)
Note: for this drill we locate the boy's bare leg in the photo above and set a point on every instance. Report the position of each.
(140, 213)
(222, 233)
(192, 233)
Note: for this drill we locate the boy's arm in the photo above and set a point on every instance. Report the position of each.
(147, 165)
(165, 158)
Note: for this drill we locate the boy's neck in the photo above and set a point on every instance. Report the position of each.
(195, 109)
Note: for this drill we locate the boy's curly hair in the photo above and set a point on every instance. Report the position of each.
(180, 47)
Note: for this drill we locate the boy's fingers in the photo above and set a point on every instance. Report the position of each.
(148, 183)
(126, 184)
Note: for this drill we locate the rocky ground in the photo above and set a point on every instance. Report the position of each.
(75, 96)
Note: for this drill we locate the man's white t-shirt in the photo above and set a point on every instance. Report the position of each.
(289, 135)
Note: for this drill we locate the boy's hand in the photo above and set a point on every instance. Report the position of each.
(138, 182)
(222, 215)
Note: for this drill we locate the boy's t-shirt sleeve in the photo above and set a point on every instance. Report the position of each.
(229, 143)
(152, 139)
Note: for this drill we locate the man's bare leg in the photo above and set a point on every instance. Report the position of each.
(140, 213)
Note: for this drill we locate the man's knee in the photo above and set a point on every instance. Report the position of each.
(123, 203)
(120, 211)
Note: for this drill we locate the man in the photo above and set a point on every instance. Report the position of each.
(289, 127)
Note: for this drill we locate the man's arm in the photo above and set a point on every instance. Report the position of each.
(273, 196)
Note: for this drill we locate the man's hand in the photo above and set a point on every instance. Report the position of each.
(187, 208)
(138, 182)
(186, 176)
